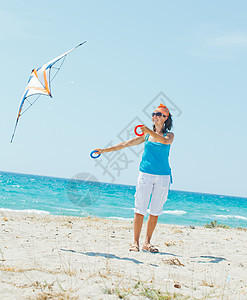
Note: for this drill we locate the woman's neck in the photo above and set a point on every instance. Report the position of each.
(159, 129)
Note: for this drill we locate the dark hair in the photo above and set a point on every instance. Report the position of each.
(168, 125)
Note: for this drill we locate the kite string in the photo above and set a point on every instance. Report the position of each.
(58, 68)
(30, 105)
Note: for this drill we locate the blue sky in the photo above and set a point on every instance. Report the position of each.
(192, 51)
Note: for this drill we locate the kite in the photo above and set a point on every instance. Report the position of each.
(39, 84)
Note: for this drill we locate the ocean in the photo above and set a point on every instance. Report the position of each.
(81, 196)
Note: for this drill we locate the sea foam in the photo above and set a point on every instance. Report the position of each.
(230, 217)
(174, 212)
(30, 211)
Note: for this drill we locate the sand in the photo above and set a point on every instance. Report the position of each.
(60, 257)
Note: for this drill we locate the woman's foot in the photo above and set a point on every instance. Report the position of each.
(150, 248)
(134, 248)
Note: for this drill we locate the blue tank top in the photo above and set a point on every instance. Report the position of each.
(155, 158)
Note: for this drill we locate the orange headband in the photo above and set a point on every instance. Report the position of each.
(163, 109)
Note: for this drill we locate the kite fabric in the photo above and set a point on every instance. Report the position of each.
(39, 83)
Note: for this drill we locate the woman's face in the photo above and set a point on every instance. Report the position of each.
(158, 120)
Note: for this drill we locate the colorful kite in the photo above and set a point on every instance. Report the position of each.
(39, 83)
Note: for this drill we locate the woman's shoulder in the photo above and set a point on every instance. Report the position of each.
(170, 137)
(170, 134)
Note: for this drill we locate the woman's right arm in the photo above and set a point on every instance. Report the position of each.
(133, 142)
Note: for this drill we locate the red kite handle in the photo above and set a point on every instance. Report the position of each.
(139, 134)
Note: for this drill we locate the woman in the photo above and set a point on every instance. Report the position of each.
(154, 176)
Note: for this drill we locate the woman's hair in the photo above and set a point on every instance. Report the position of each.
(167, 125)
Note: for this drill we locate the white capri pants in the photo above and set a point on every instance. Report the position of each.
(151, 186)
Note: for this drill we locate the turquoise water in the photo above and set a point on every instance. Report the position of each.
(58, 196)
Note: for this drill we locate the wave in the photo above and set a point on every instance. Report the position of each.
(225, 209)
(30, 211)
(70, 209)
(84, 214)
(230, 217)
(174, 212)
(120, 218)
(128, 208)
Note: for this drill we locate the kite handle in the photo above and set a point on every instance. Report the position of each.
(92, 154)
(135, 130)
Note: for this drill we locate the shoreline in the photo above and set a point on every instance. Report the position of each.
(89, 258)
(210, 223)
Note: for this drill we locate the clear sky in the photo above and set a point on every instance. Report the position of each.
(194, 52)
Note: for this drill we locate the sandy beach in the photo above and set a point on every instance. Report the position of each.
(60, 257)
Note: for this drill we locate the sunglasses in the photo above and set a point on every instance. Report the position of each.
(158, 114)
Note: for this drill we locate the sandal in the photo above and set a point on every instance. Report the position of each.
(134, 248)
(150, 248)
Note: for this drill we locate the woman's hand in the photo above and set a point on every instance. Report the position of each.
(100, 150)
(145, 129)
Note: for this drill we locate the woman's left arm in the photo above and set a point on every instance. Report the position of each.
(167, 140)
